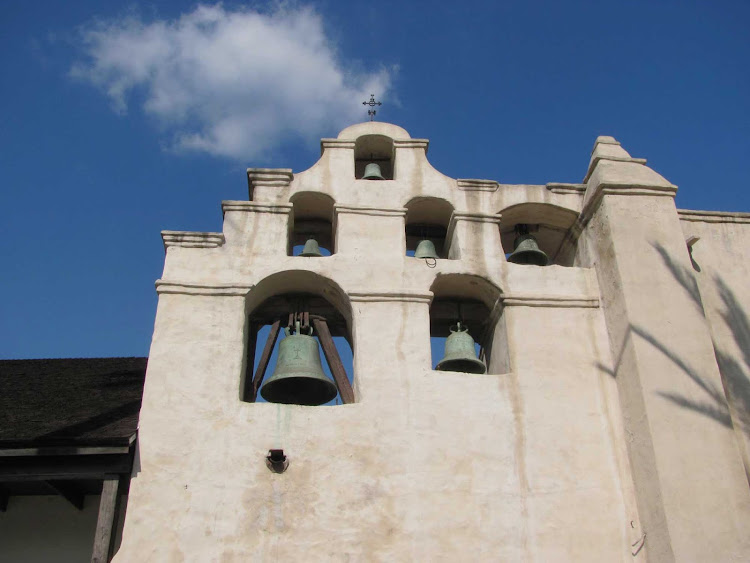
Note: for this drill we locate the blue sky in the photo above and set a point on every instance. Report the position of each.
(123, 119)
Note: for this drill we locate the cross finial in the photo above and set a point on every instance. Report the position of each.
(372, 103)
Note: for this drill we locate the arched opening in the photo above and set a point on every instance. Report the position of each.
(374, 149)
(312, 216)
(475, 303)
(317, 314)
(427, 219)
(548, 225)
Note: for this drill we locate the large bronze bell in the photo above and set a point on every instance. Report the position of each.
(372, 172)
(298, 378)
(425, 249)
(311, 248)
(459, 353)
(527, 251)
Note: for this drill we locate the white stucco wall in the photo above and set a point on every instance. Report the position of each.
(721, 265)
(530, 464)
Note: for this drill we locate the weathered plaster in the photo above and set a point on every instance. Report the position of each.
(559, 453)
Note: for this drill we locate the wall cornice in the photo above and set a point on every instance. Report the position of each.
(187, 239)
(636, 189)
(475, 217)
(539, 300)
(408, 295)
(474, 185)
(411, 144)
(256, 207)
(562, 188)
(713, 216)
(186, 288)
(336, 144)
(268, 177)
(372, 211)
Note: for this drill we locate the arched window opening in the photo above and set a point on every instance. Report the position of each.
(531, 231)
(312, 232)
(299, 344)
(467, 327)
(374, 149)
(427, 222)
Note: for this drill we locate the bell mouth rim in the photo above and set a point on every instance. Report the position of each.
(513, 259)
(321, 384)
(476, 362)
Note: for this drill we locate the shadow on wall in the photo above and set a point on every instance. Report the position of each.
(735, 376)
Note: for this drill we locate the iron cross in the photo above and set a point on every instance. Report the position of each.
(372, 103)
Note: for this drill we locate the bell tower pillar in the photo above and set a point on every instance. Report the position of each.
(686, 464)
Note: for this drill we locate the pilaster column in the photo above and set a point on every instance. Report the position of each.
(370, 231)
(392, 336)
(258, 228)
(692, 494)
(474, 236)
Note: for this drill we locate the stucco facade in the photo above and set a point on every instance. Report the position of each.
(604, 430)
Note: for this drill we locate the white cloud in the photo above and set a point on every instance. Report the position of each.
(233, 83)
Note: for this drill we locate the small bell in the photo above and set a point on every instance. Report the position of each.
(425, 249)
(311, 248)
(460, 354)
(298, 378)
(527, 251)
(372, 172)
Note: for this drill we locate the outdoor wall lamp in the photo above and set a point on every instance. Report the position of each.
(277, 461)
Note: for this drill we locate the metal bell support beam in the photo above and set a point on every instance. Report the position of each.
(460, 354)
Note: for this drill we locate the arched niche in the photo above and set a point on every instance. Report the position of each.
(377, 149)
(477, 302)
(428, 218)
(273, 305)
(548, 223)
(312, 216)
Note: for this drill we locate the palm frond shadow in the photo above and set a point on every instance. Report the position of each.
(735, 379)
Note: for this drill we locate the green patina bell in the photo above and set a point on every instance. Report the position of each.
(527, 251)
(311, 248)
(372, 172)
(460, 354)
(425, 249)
(298, 378)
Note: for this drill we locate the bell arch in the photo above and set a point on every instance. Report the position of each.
(427, 219)
(312, 219)
(546, 222)
(304, 302)
(374, 149)
(477, 303)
